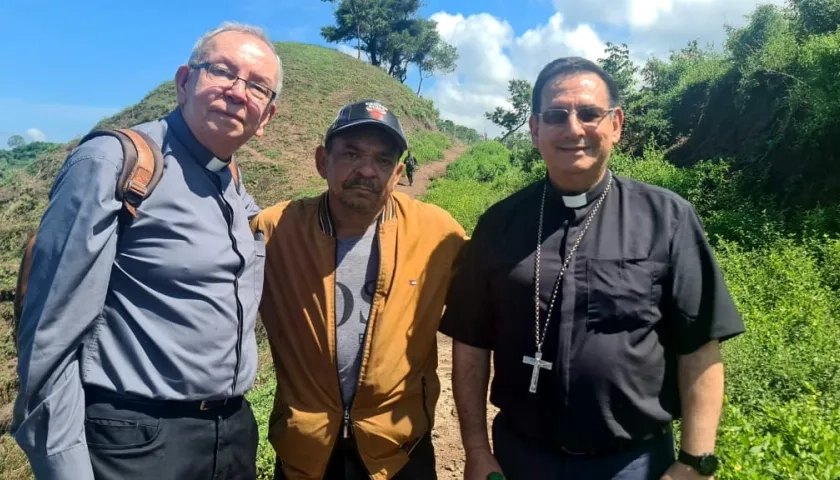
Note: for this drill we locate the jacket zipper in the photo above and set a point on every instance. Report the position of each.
(346, 426)
(239, 311)
(345, 421)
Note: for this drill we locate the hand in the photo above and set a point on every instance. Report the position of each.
(479, 464)
(681, 471)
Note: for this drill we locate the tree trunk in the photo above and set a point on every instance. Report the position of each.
(512, 130)
(358, 30)
(420, 84)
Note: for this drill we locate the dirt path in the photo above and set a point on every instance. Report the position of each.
(424, 175)
(446, 435)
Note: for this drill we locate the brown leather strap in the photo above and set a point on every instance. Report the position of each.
(140, 172)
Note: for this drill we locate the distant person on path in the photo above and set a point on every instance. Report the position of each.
(410, 167)
(602, 303)
(355, 287)
(136, 346)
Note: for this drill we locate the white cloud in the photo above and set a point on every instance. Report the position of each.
(491, 53)
(656, 26)
(36, 135)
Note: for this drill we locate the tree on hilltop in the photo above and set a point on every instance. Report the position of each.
(15, 141)
(392, 35)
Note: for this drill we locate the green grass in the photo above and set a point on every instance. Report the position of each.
(485, 162)
(428, 146)
(480, 177)
(262, 401)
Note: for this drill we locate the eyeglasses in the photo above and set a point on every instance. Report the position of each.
(223, 77)
(587, 116)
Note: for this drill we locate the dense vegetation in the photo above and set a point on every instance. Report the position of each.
(770, 99)
(783, 379)
(23, 155)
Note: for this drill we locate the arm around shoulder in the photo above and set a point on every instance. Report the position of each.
(72, 259)
(267, 220)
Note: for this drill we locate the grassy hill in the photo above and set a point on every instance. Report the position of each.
(317, 82)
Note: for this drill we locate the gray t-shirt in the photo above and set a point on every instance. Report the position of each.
(357, 266)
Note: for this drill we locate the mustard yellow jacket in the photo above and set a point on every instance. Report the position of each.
(398, 386)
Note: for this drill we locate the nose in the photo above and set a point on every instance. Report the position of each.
(575, 127)
(237, 91)
(365, 168)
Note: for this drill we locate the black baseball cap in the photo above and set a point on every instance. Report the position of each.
(372, 112)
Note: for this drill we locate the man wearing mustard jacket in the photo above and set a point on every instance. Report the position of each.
(354, 290)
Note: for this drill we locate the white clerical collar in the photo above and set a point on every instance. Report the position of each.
(575, 201)
(216, 165)
(578, 200)
(199, 152)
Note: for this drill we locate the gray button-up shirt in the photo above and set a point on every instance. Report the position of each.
(166, 311)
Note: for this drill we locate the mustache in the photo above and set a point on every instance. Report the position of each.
(366, 183)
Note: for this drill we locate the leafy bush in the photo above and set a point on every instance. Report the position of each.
(428, 146)
(794, 440)
(484, 163)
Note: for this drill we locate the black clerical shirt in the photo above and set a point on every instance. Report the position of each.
(643, 288)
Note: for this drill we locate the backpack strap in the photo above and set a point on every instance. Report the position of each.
(142, 166)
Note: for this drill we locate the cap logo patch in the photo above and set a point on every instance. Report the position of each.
(376, 110)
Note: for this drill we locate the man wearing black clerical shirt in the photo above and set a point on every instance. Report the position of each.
(588, 377)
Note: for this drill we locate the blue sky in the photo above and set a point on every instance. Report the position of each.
(70, 64)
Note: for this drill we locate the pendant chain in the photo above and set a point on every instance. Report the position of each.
(537, 337)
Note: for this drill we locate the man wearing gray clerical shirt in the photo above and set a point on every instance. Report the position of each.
(137, 343)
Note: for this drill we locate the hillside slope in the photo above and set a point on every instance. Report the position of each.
(317, 82)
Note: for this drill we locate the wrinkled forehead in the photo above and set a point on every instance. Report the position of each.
(240, 50)
(575, 89)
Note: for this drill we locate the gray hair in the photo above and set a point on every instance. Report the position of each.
(199, 52)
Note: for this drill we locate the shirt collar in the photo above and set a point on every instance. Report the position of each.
(577, 200)
(325, 221)
(199, 152)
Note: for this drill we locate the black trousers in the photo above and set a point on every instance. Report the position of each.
(345, 463)
(134, 439)
(410, 175)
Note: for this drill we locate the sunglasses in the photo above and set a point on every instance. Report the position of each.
(587, 116)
